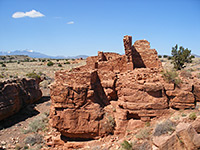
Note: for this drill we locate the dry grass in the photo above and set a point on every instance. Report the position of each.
(26, 69)
(164, 127)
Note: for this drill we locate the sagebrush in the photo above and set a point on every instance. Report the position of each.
(171, 76)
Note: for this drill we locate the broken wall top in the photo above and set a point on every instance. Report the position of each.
(140, 54)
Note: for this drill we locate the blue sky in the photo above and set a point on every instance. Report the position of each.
(74, 27)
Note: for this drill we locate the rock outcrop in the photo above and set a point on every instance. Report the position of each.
(111, 90)
(185, 137)
(15, 94)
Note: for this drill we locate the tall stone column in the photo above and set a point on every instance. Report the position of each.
(128, 51)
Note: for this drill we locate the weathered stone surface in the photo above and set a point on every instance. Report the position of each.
(152, 87)
(143, 56)
(166, 142)
(188, 135)
(185, 137)
(78, 106)
(132, 84)
(196, 124)
(183, 100)
(16, 94)
(101, 56)
(169, 86)
(197, 92)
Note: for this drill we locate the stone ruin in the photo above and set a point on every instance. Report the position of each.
(113, 92)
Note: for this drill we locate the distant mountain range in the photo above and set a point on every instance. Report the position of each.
(33, 54)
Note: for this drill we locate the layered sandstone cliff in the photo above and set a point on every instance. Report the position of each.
(16, 94)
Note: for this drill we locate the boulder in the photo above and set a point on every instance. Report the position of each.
(196, 125)
(185, 137)
(16, 94)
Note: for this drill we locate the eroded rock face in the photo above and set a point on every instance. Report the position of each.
(16, 94)
(78, 101)
(111, 91)
(185, 137)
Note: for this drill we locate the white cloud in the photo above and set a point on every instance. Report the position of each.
(31, 14)
(71, 22)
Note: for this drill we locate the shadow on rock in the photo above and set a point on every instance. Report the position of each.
(23, 114)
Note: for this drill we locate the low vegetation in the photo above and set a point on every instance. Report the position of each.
(192, 116)
(143, 134)
(126, 145)
(50, 63)
(3, 65)
(111, 121)
(59, 65)
(67, 62)
(39, 123)
(165, 127)
(33, 75)
(171, 76)
(33, 139)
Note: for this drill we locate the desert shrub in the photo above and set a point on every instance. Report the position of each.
(43, 60)
(171, 76)
(33, 75)
(126, 145)
(164, 127)
(39, 123)
(108, 124)
(111, 121)
(192, 116)
(26, 60)
(192, 56)
(1, 76)
(148, 124)
(143, 134)
(186, 74)
(33, 60)
(33, 139)
(183, 115)
(67, 62)
(180, 57)
(26, 147)
(169, 58)
(59, 65)
(3, 65)
(159, 56)
(50, 63)
(165, 56)
(18, 147)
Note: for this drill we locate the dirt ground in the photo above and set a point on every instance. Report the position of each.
(12, 129)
